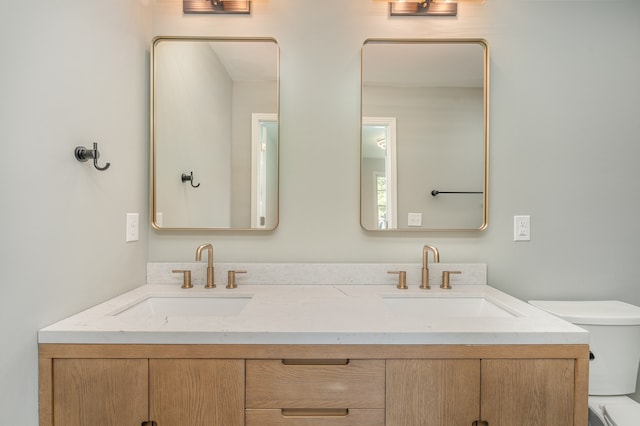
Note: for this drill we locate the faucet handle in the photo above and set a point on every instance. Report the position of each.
(445, 279)
(402, 279)
(186, 277)
(231, 278)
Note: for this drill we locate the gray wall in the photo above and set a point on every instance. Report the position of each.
(565, 98)
(248, 97)
(565, 102)
(192, 134)
(73, 72)
(440, 134)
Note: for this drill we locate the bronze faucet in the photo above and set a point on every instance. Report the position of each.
(210, 283)
(425, 264)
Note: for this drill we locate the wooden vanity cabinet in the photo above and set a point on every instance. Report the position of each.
(429, 392)
(532, 392)
(196, 392)
(309, 385)
(99, 392)
(315, 392)
(123, 392)
(501, 392)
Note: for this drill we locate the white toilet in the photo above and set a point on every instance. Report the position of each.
(614, 329)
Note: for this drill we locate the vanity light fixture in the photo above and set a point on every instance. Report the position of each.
(217, 6)
(423, 8)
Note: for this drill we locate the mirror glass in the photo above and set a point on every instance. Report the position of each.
(424, 144)
(214, 133)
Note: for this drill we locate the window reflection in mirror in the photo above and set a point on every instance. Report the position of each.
(215, 115)
(424, 129)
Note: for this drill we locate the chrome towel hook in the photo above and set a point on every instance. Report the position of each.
(83, 154)
(189, 178)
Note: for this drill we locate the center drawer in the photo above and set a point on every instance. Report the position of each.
(315, 384)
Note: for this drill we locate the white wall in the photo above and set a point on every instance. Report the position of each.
(565, 98)
(73, 72)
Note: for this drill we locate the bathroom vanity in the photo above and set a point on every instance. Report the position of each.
(314, 355)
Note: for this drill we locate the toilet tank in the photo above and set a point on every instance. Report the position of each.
(614, 341)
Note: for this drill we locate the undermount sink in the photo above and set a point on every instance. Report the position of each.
(445, 307)
(158, 306)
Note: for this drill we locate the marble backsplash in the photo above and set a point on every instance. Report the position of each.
(317, 273)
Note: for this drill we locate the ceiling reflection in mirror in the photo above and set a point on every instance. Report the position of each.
(214, 133)
(424, 136)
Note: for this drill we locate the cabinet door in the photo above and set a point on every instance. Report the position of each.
(528, 392)
(101, 392)
(440, 392)
(196, 392)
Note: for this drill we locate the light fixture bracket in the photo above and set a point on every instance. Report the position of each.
(242, 7)
(423, 8)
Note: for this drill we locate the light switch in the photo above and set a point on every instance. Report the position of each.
(132, 227)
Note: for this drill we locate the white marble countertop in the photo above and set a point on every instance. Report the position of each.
(314, 314)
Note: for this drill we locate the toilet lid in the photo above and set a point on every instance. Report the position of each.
(597, 312)
(622, 414)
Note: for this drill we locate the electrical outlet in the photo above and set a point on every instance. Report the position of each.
(414, 219)
(521, 228)
(132, 227)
